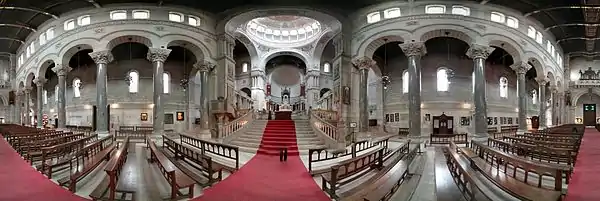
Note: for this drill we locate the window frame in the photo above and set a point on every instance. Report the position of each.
(45, 96)
(498, 14)
(442, 87)
(503, 87)
(434, 6)
(49, 34)
(181, 17)
(539, 37)
(166, 77)
(391, 13)
(146, 12)
(80, 20)
(76, 90)
(245, 67)
(326, 67)
(373, 17)
(42, 38)
(198, 22)
(467, 10)
(405, 83)
(531, 32)
(117, 12)
(511, 18)
(68, 22)
(135, 80)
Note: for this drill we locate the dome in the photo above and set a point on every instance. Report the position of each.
(284, 28)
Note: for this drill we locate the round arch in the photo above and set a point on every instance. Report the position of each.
(199, 48)
(247, 91)
(580, 93)
(463, 33)
(44, 67)
(72, 48)
(507, 44)
(29, 78)
(323, 91)
(537, 62)
(375, 40)
(108, 42)
(243, 38)
(551, 79)
(279, 52)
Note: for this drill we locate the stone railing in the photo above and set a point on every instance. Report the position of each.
(327, 115)
(325, 129)
(585, 83)
(236, 125)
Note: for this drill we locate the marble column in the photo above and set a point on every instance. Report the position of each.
(479, 53)
(553, 102)
(27, 106)
(61, 71)
(363, 64)
(158, 56)
(521, 68)
(39, 83)
(413, 52)
(101, 58)
(542, 101)
(18, 113)
(204, 68)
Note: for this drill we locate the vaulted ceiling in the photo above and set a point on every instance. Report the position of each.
(574, 23)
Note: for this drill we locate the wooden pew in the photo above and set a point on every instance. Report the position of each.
(320, 155)
(211, 172)
(384, 187)
(108, 188)
(561, 145)
(463, 175)
(347, 171)
(490, 162)
(217, 149)
(176, 178)
(535, 152)
(60, 155)
(90, 157)
(447, 138)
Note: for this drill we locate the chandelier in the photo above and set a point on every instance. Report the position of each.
(184, 83)
(385, 81)
(128, 80)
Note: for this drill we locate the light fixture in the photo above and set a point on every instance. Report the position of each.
(184, 82)
(385, 80)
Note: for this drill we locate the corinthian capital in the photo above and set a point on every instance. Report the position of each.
(102, 57)
(413, 49)
(62, 70)
(204, 66)
(158, 54)
(541, 81)
(40, 81)
(477, 51)
(363, 62)
(521, 67)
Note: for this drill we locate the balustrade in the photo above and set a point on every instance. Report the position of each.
(237, 124)
(324, 127)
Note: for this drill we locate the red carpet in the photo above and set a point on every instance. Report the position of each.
(20, 182)
(584, 182)
(279, 134)
(265, 178)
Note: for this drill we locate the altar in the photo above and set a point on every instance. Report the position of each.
(285, 109)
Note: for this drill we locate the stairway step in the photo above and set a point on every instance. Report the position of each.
(283, 139)
(278, 143)
(276, 153)
(277, 147)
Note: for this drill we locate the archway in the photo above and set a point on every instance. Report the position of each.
(285, 80)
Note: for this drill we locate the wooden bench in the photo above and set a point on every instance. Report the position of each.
(384, 187)
(320, 155)
(347, 171)
(55, 158)
(463, 176)
(176, 178)
(133, 132)
(212, 172)
(535, 152)
(447, 138)
(561, 145)
(490, 162)
(220, 150)
(464, 150)
(109, 187)
(90, 157)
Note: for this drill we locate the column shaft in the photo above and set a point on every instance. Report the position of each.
(204, 69)
(542, 102)
(522, 102)
(102, 59)
(414, 51)
(479, 53)
(18, 113)
(27, 107)
(363, 100)
(40, 104)
(62, 111)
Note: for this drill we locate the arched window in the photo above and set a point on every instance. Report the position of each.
(166, 83)
(134, 79)
(118, 15)
(176, 17)
(405, 82)
(503, 87)
(84, 20)
(193, 20)
(69, 24)
(534, 96)
(391, 13)
(326, 67)
(442, 79)
(50, 34)
(141, 14)
(531, 32)
(45, 97)
(245, 67)
(42, 39)
(473, 82)
(512, 22)
(435, 9)
(373, 17)
(461, 10)
(76, 87)
(497, 17)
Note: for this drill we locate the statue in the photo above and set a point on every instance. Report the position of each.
(568, 98)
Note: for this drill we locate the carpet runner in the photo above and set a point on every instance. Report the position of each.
(279, 134)
(265, 178)
(583, 185)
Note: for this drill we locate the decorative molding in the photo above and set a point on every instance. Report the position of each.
(477, 51)
(102, 57)
(158, 54)
(413, 49)
(62, 70)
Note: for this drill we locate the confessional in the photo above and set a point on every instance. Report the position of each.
(443, 124)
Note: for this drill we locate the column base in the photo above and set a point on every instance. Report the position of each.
(102, 134)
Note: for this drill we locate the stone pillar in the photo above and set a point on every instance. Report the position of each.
(414, 51)
(61, 71)
(39, 83)
(18, 113)
(561, 108)
(542, 101)
(204, 68)
(554, 102)
(27, 106)
(101, 58)
(521, 68)
(363, 64)
(479, 53)
(158, 56)
(226, 71)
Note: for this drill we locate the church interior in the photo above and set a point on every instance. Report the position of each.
(261, 100)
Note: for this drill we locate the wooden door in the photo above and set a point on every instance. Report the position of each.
(443, 124)
(535, 122)
(589, 114)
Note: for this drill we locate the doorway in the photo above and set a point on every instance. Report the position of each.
(589, 114)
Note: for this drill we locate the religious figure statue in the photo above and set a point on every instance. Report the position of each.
(568, 98)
